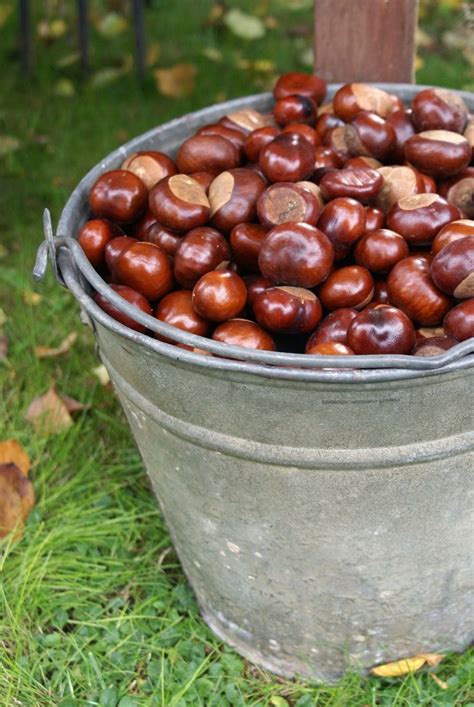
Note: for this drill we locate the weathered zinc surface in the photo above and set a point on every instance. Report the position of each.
(322, 517)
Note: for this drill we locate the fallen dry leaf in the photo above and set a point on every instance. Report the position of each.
(73, 405)
(63, 348)
(244, 25)
(8, 144)
(176, 82)
(102, 374)
(17, 498)
(32, 298)
(48, 414)
(12, 452)
(153, 52)
(3, 348)
(112, 24)
(443, 685)
(406, 665)
(64, 88)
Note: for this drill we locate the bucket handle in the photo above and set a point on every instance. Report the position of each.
(50, 249)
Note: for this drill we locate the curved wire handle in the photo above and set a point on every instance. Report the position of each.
(65, 243)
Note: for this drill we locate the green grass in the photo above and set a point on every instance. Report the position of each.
(94, 607)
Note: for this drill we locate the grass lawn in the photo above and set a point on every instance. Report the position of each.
(94, 607)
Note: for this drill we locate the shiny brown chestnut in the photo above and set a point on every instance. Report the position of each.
(381, 330)
(180, 203)
(114, 249)
(333, 328)
(305, 130)
(296, 254)
(141, 226)
(374, 218)
(335, 139)
(205, 179)
(353, 98)
(325, 160)
(219, 295)
(294, 109)
(435, 346)
(329, 348)
(380, 250)
(247, 119)
(244, 332)
(401, 122)
(361, 183)
(207, 153)
(343, 222)
(131, 296)
(298, 83)
(245, 242)
(369, 134)
(452, 268)
(381, 295)
(363, 161)
(163, 237)
(424, 333)
(439, 109)
(233, 198)
(453, 231)
(288, 158)
(145, 268)
(325, 122)
(118, 195)
(288, 201)
(255, 284)
(93, 238)
(236, 137)
(150, 166)
(459, 321)
(256, 141)
(412, 290)
(459, 191)
(398, 181)
(177, 310)
(419, 218)
(200, 251)
(287, 310)
(438, 153)
(349, 287)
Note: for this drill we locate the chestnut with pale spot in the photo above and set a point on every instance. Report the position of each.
(288, 201)
(435, 346)
(244, 332)
(398, 181)
(370, 135)
(233, 197)
(353, 98)
(287, 310)
(419, 218)
(453, 231)
(247, 119)
(438, 153)
(150, 166)
(452, 268)
(180, 203)
(439, 109)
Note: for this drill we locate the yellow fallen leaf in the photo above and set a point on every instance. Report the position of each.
(432, 659)
(244, 25)
(63, 348)
(48, 414)
(17, 498)
(8, 144)
(399, 667)
(213, 54)
(12, 452)
(64, 88)
(152, 53)
(32, 298)
(112, 24)
(102, 374)
(443, 685)
(176, 82)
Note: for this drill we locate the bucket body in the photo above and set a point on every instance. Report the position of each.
(323, 518)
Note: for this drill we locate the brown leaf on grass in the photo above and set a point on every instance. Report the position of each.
(12, 452)
(32, 298)
(17, 498)
(63, 348)
(406, 665)
(73, 405)
(48, 414)
(177, 81)
(3, 348)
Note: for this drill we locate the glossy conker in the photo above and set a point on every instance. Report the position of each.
(145, 268)
(459, 321)
(419, 218)
(378, 251)
(132, 296)
(150, 166)
(288, 158)
(288, 201)
(177, 310)
(381, 330)
(453, 231)
(343, 222)
(349, 287)
(294, 109)
(362, 183)
(233, 198)
(333, 327)
(298, 83)
(219, 295)
(114, 249)
(245, 242)
(93, 238)
(296, 254)
(180, 203)
(163, 237)
(398, 181)
(353, 98)
(452, 268)
(200, 251)
(374, 218)
(118, 195)
(256, 141)
(329, 348)
(434, 346)
(439, 109)
(412, 290)
(287, 310)
(305, 130)
(243, 332)
(369, 134)
(438, 153)
(204, 153)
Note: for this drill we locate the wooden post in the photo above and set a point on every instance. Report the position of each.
(365, 40)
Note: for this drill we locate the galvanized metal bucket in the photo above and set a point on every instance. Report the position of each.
(320, 507)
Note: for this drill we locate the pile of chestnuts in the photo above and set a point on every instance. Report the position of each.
(325, 228)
